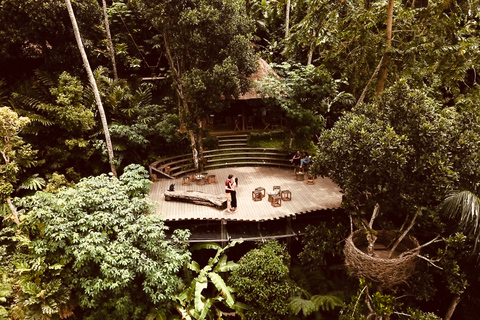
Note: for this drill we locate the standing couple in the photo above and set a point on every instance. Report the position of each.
(231, 191)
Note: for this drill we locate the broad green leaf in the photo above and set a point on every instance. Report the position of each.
(199, 287)
(194, 266)
(208, 245)
(222, 287)
(206, 309)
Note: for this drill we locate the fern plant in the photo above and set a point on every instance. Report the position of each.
(42, 301)
(312, 304)
(6, 291)
(42, 292)
(62, 118)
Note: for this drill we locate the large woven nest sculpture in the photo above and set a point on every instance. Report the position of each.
(378, 268)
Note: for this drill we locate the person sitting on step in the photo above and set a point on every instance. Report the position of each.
(296, 158)
(305, 160)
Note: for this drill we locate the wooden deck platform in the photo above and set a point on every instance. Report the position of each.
(324, 194)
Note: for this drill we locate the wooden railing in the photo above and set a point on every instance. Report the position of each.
(171, 167)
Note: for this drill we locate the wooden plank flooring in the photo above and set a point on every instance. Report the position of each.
(324, 194)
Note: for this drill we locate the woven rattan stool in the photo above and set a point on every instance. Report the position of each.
(212, 179)
(271, 194)
(310, 179)
(276, 200)
(262, 190)
(257, 195)
(286, 195)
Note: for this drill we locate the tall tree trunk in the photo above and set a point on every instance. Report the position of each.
(451, 308)
(193, 145)
(91, 78)
(109, 39)
(312, 48)
(200, 137)
(183, 105)
(386, 56)
(364, 92)
(287, 19)
(310, 56)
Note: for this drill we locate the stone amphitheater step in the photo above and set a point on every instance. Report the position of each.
(232, 150)
(232, 141)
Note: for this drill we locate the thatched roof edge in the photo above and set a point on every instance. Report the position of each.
(263, 71)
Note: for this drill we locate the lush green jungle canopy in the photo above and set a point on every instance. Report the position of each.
(386, 91)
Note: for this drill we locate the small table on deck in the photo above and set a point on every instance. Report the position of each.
(300, 176)
(201, 178)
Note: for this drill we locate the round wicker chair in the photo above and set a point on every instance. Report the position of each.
(378, 268)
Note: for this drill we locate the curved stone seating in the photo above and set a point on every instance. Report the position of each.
(173, 167)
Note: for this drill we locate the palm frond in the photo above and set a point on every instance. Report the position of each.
(3, 93)
(45, 79)
(34, 182)
(142, 97)
(464, 206)
(89, 97)
(37, 118)
(25, 101)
